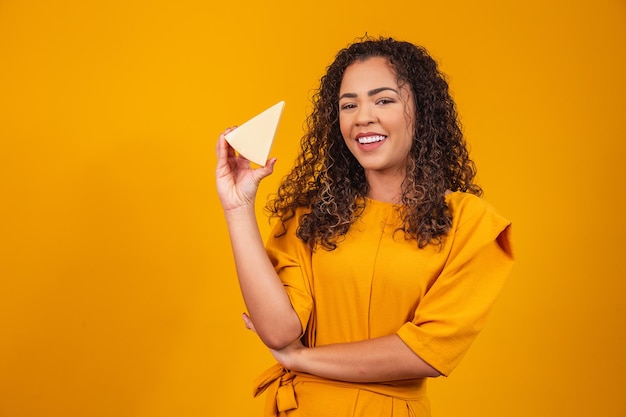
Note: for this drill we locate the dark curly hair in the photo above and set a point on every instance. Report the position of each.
(329, 184)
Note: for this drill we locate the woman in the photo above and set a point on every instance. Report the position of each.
(384, 261)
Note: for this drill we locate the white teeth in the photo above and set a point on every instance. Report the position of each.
(371, 139)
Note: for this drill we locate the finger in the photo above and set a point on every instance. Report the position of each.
(223, 136)
(224, 151)
(248, 322)
(268, 169)
(220, 145)
(270, 164)
(260, 173)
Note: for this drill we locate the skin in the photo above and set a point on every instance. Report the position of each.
(374, 360)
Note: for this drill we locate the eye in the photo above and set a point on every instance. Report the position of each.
(384, 101)
(347, 106)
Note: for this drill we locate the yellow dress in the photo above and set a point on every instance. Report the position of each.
(377, 283)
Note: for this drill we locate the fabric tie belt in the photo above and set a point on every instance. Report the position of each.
(279, 383)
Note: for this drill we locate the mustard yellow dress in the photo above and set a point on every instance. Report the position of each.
(377, 283)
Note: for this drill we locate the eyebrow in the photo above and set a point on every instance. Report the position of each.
(369, 93)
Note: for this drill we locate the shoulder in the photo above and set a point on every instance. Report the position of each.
(460, 200)
(465, 206)
(475, 220)
(286, 229)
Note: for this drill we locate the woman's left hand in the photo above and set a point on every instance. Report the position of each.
(286, 356)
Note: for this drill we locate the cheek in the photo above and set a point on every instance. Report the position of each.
(407, 127)
(405, 124)
(344, 127)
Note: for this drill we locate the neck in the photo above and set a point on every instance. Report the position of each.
(385, 188)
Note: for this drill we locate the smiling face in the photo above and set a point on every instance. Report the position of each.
(376, 117)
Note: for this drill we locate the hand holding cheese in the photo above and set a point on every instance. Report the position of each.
(237, 182)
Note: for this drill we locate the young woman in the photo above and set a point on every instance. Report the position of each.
(384, 261)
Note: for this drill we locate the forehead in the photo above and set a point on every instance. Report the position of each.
(367, 74)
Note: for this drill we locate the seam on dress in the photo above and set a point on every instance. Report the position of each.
(356, 402)
(383, 226)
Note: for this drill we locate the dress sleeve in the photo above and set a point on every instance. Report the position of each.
(455, 307)
(292, 261)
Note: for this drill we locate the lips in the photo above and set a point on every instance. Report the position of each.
(367, 138)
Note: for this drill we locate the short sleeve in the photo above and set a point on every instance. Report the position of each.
(455, 307)
(292, 261)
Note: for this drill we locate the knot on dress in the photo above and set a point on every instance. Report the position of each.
(278, 382)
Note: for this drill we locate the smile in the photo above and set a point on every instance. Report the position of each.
(371, 139)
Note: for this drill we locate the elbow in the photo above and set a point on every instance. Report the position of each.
(278, 342)
(275, 334)
(275, 344)
(277, 339)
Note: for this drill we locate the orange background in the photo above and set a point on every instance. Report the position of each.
(117, 288)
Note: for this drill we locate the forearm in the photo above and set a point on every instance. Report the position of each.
(266, 300)
(376, 360)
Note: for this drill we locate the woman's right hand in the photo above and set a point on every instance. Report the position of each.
(237, 182)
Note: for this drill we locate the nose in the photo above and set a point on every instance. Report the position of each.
(364, 116)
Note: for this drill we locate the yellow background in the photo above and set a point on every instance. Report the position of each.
(117, 288)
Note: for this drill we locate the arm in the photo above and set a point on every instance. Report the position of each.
(380, 359)
(276, 322)
(375, 360)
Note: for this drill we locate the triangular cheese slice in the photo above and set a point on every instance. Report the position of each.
(253, 139)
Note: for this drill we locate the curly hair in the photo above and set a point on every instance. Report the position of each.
(329, 184)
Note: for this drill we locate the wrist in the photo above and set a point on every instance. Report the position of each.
(297, 360)
(237, 212)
